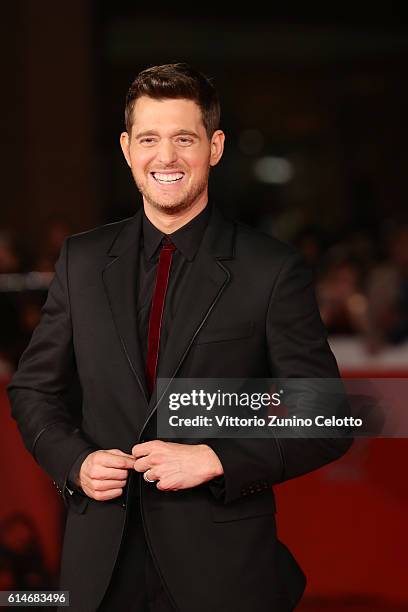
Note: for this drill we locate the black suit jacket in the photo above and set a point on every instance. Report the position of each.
(248, 311)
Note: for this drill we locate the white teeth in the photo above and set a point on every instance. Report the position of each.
(167, 178)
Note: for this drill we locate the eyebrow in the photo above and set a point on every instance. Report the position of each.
(177, 133)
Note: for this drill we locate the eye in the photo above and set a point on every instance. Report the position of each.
(185, 141)
(147, 141)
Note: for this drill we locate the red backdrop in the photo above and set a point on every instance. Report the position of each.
(346, 523)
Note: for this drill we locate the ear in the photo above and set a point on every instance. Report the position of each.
(217, 147)
(124, 143)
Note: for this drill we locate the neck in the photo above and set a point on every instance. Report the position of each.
(167, 223)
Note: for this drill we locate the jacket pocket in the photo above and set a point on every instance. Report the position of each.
(243, 330)
(259, 505)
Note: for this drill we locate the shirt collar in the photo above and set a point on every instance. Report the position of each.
(186, 239)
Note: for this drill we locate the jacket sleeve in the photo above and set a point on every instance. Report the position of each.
(297, 348)
(40, 391)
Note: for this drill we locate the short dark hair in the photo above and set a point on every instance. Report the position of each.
(171, 81)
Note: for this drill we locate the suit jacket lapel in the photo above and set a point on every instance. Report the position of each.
(205, 284)
(119, 278)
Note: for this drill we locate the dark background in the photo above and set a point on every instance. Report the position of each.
(314, 106)
(329, 93)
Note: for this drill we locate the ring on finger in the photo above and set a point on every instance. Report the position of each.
(147, 479)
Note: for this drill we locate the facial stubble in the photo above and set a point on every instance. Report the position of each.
(185, 202)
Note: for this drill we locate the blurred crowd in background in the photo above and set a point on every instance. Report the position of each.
(22, 294)
(314, 111)
(22, 564)
(361, 285)
(314, 107)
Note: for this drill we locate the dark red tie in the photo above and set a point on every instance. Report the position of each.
(156, 310)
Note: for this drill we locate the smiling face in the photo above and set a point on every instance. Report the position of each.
(170, 154)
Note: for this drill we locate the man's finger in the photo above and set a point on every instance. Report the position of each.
(163, 486)
(111, 473)
(108, 459)
(143, 449)
(106, 495)
(107, 485)
(142, 464)
(152, 476)
(117, 451)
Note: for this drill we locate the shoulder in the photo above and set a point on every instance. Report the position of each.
(263, 242)
(262, 249)
(98, 238)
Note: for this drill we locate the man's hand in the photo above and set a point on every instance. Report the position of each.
(176, 466)
(103, 473)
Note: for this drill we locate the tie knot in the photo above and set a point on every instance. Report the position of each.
(168, 245)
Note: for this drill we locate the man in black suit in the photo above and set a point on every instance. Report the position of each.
(175, 291)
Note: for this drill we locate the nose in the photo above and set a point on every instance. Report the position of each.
(167, 153)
